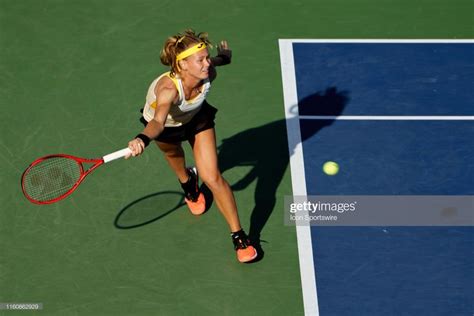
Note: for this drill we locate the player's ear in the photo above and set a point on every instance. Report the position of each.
(183, 65)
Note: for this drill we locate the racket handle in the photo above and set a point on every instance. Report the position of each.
(116, 155)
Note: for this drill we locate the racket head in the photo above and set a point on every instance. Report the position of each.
(52, 178)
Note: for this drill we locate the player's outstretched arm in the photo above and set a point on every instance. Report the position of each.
(153, 129)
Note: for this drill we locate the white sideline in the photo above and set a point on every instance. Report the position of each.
(303, 233)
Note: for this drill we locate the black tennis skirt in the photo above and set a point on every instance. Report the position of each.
(203, 120)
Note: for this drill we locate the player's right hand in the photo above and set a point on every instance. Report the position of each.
(137, 146)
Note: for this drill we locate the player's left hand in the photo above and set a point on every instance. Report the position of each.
(223, 49)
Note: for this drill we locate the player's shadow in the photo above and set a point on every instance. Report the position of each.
(265, 150)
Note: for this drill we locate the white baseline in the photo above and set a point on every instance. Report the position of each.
(388, 118)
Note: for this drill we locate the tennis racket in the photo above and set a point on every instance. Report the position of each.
(52, 178)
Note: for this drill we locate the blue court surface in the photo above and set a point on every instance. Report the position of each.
(397, 116)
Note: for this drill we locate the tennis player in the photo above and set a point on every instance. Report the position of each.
(175, 111)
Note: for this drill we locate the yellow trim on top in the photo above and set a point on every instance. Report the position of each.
(175, 81)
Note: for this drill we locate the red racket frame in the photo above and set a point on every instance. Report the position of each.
(80, 161)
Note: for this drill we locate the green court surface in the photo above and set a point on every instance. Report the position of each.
(73, 77)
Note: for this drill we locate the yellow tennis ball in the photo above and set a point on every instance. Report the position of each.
(330, 168)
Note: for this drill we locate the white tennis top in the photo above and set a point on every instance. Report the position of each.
(180, 113)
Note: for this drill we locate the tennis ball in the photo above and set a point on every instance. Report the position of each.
(330, 168)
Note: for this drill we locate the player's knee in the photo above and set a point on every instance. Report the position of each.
(213, 180)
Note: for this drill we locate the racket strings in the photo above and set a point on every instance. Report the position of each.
(51, 178)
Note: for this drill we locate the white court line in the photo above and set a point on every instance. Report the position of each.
(303, 233)
(388, 118)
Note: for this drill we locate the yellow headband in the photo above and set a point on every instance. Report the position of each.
(188, 52)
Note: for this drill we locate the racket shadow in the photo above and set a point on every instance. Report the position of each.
(149, 209)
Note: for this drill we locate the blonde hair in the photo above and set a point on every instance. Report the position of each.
(178, 43)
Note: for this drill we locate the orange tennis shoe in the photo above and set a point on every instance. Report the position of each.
(192, 195)
(245, 251)
(198, 206)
